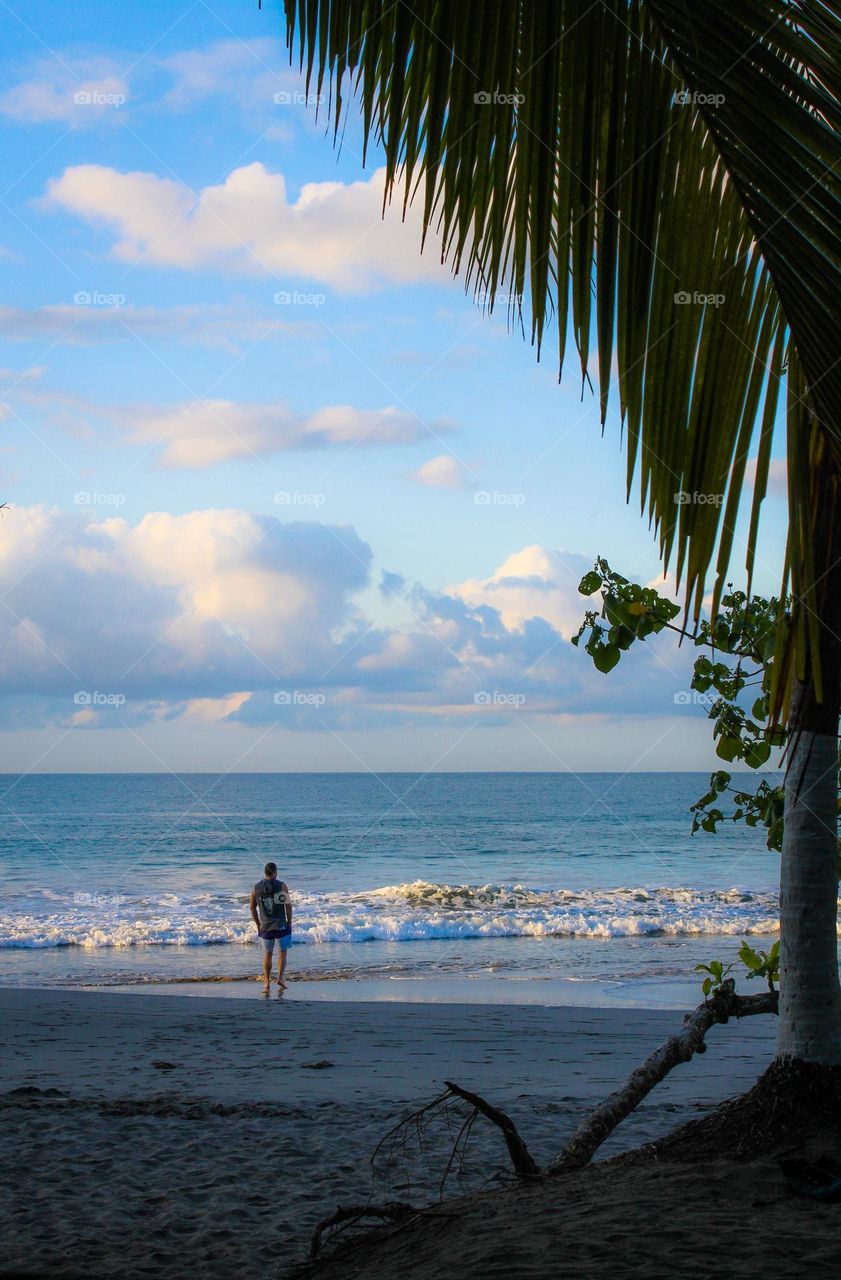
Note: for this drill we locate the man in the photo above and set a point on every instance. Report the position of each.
(271, 911)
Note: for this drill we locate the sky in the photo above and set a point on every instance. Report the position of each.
(281, 495)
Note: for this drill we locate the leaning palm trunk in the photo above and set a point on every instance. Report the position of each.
(810, 995)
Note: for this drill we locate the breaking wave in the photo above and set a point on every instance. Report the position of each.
(412, 912)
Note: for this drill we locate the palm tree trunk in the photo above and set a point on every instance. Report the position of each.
(810, 994)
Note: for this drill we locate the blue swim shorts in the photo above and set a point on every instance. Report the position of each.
(268, 944)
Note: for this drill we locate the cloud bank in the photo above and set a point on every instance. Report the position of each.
(333, 233)
(231, 616)
(205, 432)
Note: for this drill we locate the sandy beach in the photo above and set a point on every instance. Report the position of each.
(158, 1135)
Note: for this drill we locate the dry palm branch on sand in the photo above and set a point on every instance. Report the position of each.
(594, 1130)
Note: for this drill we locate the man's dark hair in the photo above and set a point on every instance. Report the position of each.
(270, 869)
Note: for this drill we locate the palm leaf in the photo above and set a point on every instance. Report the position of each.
(658, 179)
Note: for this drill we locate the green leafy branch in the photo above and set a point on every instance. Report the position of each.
(740, 643)
(759, 964)
(630, 613)
(760, 808)
(762, 964)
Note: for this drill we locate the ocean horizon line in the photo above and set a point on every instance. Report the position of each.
(375, 773)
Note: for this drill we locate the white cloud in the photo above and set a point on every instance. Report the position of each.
(83, 95)
(227, 616)
(250, 72)
(207, 324)
(205, 432)
(442, 472)
(81, 90)
(66, 411)
(179, 608)
(332, 233)
(201, 433)
(532, 583)
(14, 377)
(208, 711)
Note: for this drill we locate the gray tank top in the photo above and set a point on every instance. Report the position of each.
(271, 899)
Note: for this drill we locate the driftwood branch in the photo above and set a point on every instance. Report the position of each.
(524, 1165)
(349, 1214)
(681, 1047)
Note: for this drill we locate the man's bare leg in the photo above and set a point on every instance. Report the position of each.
(281, 968)
(267, 971)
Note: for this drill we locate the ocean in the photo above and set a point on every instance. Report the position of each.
(542, 887)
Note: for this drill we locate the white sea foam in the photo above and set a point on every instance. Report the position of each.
(411, 912)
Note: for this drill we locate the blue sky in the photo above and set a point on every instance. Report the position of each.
(282, 497)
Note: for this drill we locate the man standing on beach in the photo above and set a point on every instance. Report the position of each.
(271, 911)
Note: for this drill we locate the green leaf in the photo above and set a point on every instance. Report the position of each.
(590, 583)
(606, 657)
(728, 748)
(757, 754)
(749, 957)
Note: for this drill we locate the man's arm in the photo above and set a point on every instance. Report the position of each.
(252, 902)
(288, 904)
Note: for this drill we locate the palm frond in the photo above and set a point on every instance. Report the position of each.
(657, 178)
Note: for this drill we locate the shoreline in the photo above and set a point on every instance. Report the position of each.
(638, 972)
(170, 1134)
(477, 992)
